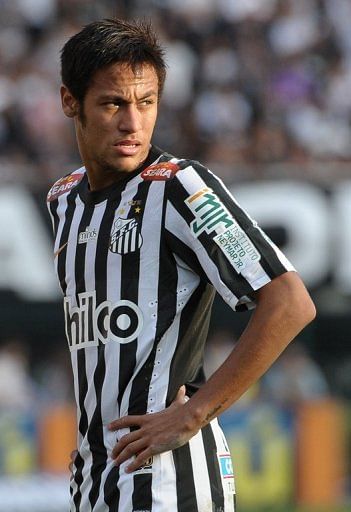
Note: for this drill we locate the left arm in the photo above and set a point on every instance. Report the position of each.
(284, 308)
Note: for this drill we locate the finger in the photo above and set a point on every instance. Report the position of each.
(125, 422)
(133, 449)
(124, 441)
(139, 460)
(73, 455)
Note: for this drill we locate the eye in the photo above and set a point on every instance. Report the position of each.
(147, 102)
(112, 103)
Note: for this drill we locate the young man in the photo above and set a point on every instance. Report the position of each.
(142, 240)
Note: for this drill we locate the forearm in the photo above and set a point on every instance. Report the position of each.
(273, 325)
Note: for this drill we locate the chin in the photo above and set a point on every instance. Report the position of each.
(129, 164)
(122, 166)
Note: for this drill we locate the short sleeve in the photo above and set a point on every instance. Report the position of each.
(204, 219)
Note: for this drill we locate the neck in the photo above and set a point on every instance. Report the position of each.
(101, 180)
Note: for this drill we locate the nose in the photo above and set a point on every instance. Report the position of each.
(130, 119)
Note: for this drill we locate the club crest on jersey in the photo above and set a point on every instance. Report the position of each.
(64, 185)
(125, 236)
(160, 172)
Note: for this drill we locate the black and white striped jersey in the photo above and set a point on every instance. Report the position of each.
(138, 264)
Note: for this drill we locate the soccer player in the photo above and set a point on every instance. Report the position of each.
(142, 241)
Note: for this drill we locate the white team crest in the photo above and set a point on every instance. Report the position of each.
(125, 236)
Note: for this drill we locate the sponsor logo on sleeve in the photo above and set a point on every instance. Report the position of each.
(160, 172)
(237, 248)
(64, 185)
(213, 218)
(210, 213)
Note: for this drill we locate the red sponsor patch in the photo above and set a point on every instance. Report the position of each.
(160, 172)
(63, 185)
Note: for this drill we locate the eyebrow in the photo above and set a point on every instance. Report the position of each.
(152, 92)
(118, 97)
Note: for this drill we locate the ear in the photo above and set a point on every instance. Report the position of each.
(70, 105)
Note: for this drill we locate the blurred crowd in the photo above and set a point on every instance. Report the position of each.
(256, 88)
(293, 379)
(31, 384)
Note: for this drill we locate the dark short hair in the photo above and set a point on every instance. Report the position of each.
(106, 42)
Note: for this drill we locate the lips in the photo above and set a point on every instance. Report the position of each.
(127, 142)
(127, 147)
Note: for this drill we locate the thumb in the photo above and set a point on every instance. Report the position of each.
(181, 397)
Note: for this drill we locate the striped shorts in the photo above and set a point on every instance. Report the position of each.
(197, 477)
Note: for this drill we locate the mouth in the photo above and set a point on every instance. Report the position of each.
(127, 147)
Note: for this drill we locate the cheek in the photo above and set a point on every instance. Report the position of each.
(96, 132)
(150, 123)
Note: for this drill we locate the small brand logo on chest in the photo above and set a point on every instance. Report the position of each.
(87, 235)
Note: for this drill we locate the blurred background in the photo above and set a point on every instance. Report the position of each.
(260, 92)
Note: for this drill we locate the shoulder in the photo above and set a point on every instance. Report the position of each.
(166, 167)
(65, 184)
(191, 170)
(192, 176)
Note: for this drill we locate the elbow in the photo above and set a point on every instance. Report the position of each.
(298, 311)
(301, 305)
(307, 310)
(288, 297)
(297, 307)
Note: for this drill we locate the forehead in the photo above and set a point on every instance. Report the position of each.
(121, 76)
